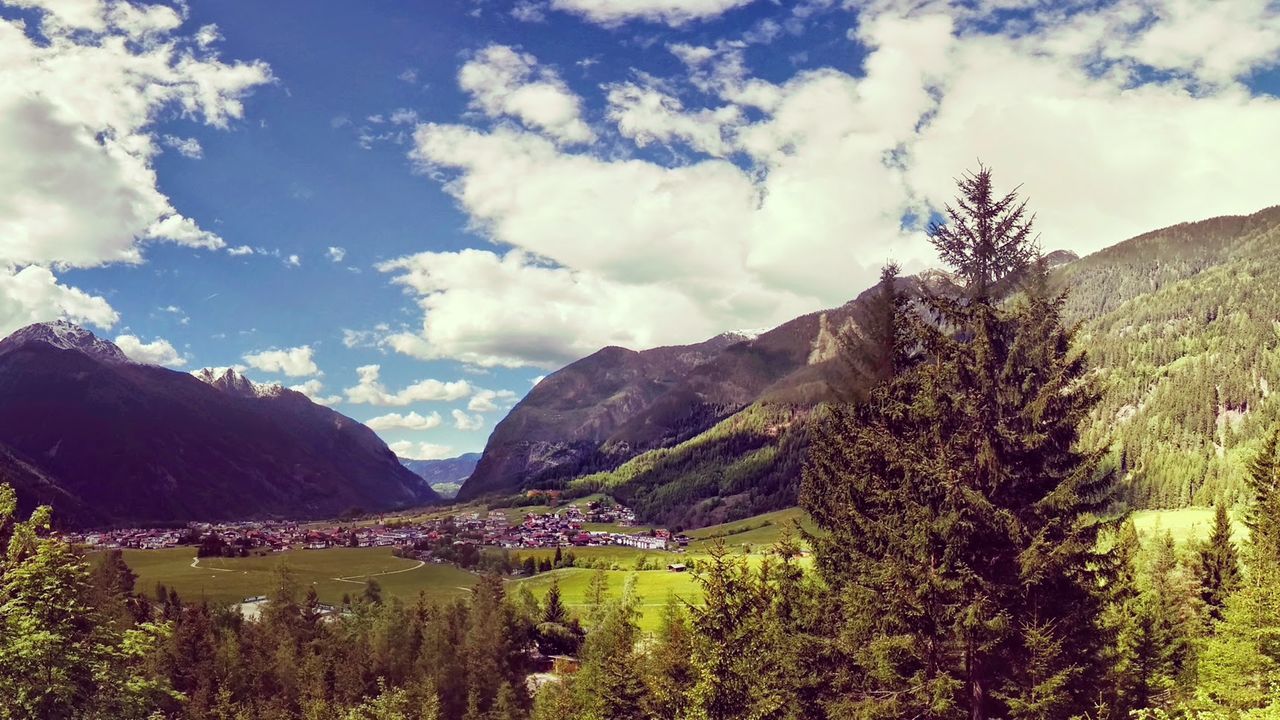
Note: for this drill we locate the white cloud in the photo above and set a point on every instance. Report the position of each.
(186, 147)
(370, 390)
(156, 352)
(240, 250)
(293, 261)
(487, 400)
(504, 82)
(32, 295)
(529, 11)
(410, 421)
(336, 254)
(86, 95)
(294, 362)
(314, 389)
(671, 12)
(420, 451)
(467, 423)
(403, 116)
(598, 247)
(645, 114)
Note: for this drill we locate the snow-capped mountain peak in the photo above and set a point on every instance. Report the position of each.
(231, 381)
(64, 335)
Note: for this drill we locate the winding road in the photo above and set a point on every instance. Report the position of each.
(351, 578)
(196, 564)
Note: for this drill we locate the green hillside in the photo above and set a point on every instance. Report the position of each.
(1182, 328)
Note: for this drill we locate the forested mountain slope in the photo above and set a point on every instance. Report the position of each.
(605, 409)
(1183, 326)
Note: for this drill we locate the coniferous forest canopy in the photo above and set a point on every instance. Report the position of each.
(974, 558)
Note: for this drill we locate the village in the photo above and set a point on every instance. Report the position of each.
(564, 527)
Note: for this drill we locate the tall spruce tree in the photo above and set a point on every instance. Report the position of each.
(962, 533)
(1263, 517)
(1217, 565)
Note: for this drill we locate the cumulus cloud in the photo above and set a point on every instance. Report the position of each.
(488, 400)
(370, 390)
(294, 362)
(156, 352)
(83, 83)
(421, 450)
(675, 13)
(467, 423)
(336, 254)
(314, 389)
(784, 197)
(505, 82)
(33, 295)
(86, 98)
(409, 421)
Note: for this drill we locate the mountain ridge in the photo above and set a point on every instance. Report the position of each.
(138, 443)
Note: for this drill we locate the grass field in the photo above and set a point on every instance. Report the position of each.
(654, 587)
(225, 580)
(1186, 524)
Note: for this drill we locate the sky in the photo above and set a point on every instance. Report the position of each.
(412, 211)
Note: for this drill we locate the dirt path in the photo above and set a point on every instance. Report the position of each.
(196, 564)
(351, 578)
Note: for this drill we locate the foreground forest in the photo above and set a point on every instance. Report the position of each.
(975, 562)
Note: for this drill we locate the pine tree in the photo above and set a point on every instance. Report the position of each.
(1217, 567)
(982, 595)
(1239, 668)
(1264, 508)
(670, 671)
(554, 611)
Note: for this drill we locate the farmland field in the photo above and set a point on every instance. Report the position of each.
(654, 587)
(225, 580)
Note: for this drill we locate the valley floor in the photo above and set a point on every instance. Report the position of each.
(338, 571)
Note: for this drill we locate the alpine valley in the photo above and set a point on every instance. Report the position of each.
(1181, 324)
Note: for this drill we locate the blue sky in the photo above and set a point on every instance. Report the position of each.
(470, 193)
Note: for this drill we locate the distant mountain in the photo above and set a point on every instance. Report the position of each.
(1182, 324)
(444, 476)
(108, 440)
(597, 413)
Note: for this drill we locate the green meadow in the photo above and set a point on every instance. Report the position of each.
(332, 572)
(1185, 524)
(337, 571)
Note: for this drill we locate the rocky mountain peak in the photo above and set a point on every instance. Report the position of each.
(64, 335)
(232, 382)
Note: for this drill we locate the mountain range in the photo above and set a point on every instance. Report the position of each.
(111, 441)
(444, 476)
(1181, 325)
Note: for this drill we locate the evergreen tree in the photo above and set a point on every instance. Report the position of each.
(610, 683)
(554, 612)
(372, 592)
(670, 671)
(1264, 508)
(1239, 668)
(983, 594)
(1217, 566)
